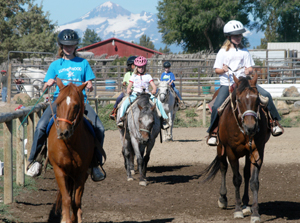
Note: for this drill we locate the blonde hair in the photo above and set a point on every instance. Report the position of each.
(60, 52)
(136, 72)
(227, 45)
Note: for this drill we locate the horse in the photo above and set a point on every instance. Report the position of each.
(168, 99)
(243, 131)
(70, 150)
(141, 127)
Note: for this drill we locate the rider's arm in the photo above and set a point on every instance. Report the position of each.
(129, 87)
(49, 83)
(221, 70)
(153, 87)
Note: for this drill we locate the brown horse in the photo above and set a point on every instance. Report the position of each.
(70, 150)
(243, 131)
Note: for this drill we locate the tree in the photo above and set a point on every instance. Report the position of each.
(89, 37)
(165, 50)
(279, 19)
(146, 42)
(197, 24)
(25, 27)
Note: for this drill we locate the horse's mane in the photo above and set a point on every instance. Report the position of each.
(244, 83)
(143, 99)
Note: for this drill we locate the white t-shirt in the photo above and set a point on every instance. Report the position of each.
(140, 82)
(236, 60)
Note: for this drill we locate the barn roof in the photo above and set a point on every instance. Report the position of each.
(94, 45)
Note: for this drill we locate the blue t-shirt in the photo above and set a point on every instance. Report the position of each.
(77, 70)
(168, 76)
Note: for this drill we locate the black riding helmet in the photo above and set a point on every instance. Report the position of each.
(167, 64)
(68, 37)
(130, 60)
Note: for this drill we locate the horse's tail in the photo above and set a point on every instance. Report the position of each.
(211, 171)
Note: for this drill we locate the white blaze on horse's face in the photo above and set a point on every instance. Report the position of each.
(68, 100)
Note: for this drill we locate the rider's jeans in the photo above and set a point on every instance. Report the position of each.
(178, 93)
(133, 96)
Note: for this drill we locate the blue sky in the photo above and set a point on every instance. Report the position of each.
(65, 11)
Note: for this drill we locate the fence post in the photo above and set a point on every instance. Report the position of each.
(204, 112)
(9, 84)
(199, 81)
(181, 84)
(119, 76)
(20, 166)
(8, 162)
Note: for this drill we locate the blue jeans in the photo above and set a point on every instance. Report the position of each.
(133, 96)
(224, 93)
(40, 135)
(4, 94)
(119, 99)
(178, 93)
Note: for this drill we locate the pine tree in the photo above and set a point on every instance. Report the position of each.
(89, 37)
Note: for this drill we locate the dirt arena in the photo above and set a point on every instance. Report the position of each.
(174, 192)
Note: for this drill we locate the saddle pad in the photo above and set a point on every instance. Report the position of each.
(221, 108)
(86, 122)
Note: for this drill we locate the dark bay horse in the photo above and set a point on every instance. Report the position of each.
(138, 135)
(243, 131)
(70, 150)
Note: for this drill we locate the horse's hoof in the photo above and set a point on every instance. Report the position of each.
(143, 183)
(222, 205)
(238, 215)
(246, 210)
(255, 219)
(129, 179)
(132, 172)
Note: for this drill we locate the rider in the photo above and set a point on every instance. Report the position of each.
(140, 81)
(68, 67)
(233, 57)
(169, 76)
(130, 68)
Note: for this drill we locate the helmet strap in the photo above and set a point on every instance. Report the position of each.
(235, 45)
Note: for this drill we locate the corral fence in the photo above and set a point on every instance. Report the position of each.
(15, 129)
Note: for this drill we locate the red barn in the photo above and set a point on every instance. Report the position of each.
(114, 46)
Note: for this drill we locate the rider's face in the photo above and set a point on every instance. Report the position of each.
(236, 39)
(140, 69)
(167, 69)
(69, 50)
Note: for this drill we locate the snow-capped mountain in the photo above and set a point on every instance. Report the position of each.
(111, 20)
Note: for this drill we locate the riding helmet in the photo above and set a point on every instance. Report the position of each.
(68, 37)
(130, 60)
(140, 61)
(233, 27)
(167, 64)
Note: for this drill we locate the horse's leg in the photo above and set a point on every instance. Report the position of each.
(127, 154)
(256, 163)
(142, 166)
(237, 181)
(170, 123)
(246, 208)
(63, 188)
(222, 202)
(76, 205)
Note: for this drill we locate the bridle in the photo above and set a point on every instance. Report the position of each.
(167, 95)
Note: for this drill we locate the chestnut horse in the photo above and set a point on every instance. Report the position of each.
(70, 150)
(243, 131)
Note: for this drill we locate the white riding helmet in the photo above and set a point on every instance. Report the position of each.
(233, 27)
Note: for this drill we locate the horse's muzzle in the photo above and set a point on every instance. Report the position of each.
(63, 134)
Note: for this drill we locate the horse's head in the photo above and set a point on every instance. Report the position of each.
(70, 108)
(146, 119)
(247, 103)
(164, 91)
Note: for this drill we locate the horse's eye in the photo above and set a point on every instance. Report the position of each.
(76, 107)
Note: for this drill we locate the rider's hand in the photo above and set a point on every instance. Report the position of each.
(89, 86)
(50, 82)
(225, 68)
(153, 92)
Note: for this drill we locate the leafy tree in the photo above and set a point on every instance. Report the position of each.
(165, 50)
(89, 37)
(25, 27)
(197, 24)
(279, 19)
(146, 42)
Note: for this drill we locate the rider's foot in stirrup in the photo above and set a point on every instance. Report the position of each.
(165, 124)
(212, 141)
(34, 170)
(277, 131)
(97, 174)
(121, 123)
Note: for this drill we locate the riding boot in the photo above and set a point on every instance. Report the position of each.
(97, 174)
(120, 124)
(165, 124)
(113, 114)
(212, 139)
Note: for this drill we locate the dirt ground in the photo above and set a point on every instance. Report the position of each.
(174, 192)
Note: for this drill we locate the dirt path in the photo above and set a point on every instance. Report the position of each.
(175, 192)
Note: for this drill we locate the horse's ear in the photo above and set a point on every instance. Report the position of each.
(59, 83)
(81, 87)
(153, 107)
(140, 107)
(236, 80)
(254, 80)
